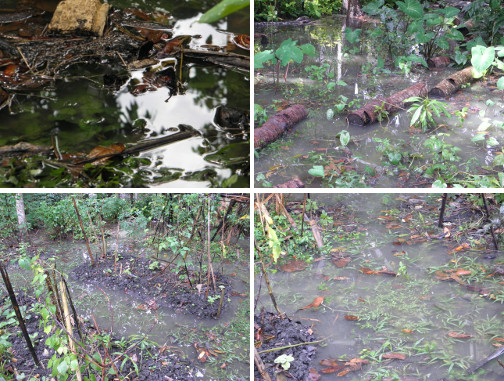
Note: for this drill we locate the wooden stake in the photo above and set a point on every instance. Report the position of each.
(84, 232)
(68, 326)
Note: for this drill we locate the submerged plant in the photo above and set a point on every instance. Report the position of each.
(424, 109)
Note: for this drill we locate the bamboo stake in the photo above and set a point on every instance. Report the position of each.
(263, 269)
(210, 268)
(68, 326)
(220, 302)
(260, 366)
(117, 248)
(15, 305)
(84, 232)
(104, 241)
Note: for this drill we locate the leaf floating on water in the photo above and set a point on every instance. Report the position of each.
(341, 261)
(457, 335)
(316, 302)
(460, 248)
(313, 375)
(351, 317)
(294, 265)
(395, 356)
(102, 151)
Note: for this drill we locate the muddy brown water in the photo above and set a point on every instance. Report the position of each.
(317, 132)
(124, 313)
(427, 307)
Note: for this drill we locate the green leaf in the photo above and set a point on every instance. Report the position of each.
(263, 57)
(352, 35)
(416, 116)
(492, 141)
(478, 138)
(329, 114)
(341, 83)
(331, 86)
(432, 19)
(344, 137)
(373, 8)
(308, 49)
(500, 83)
(482, 57)
(223, 9)
(24, 263)
(485, 125)
(289, 51)
(442, 43)
(412, 8)
(394, 157)
(450, 12)
(498, 161)
(439, 184)
(456, 35)
(62, 367)
(317, 171)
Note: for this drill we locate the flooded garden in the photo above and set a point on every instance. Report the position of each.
(329, 85)
(379, 287)
(154, 96)
(143, 287)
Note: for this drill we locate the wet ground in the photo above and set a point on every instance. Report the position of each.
(96, 101)
(139, 298)
(412, 300)
(314, 141)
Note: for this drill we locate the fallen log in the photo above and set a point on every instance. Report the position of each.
(368, 114)
(279, 123)
(453, 83)
(294, 183)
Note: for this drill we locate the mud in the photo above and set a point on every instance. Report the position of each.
(275, 332)
(156, 288)
(168, 366)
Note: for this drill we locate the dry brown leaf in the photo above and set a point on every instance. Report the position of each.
(316, 302)
(457, 335)
(396, 356)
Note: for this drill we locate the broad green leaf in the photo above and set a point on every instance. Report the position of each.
(492, 141)
(478, 41)
(331, 86)
(442, 43)
(344, 138)
(485, 125)
(478, 138)
(394, 157)
(24, 263)
(412, 8)
(289, 51)
(308, 49)
(263, 57)
(439, 184)
(341, 83)
(317, 171)
(498, 161)
(373, 8)
(500, 83)
(416, 26)
(416, 116)
(449, 12)
(375, 33)
(223, 9)
(456, 35)
(329, 114)
(62, 367)
(433, 19)
(482, 57)
(352, 35)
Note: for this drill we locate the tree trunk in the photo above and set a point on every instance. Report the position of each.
(20, 210)
(352, 8)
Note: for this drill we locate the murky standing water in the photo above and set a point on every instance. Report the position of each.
(83, 113)
(411, 313)
(356, 66)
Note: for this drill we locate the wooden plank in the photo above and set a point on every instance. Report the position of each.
(87, 17)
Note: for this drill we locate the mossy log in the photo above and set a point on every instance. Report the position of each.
(453, 83)
(368, 114)
(294, 183)
(275, 126)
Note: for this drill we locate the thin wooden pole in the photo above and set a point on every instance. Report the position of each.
(263, 268)
(15, 305)
(84, 232)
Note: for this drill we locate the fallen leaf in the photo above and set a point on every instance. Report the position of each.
(316, 302)
(407, 331)
(314, 375)
(351, 317)
(396, 356)
(294, 265)
(102, 151)
(341, 261)
(461, 272)
(340, 278)
(457, 335)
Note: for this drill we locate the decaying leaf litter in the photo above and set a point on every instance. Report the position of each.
(390, 294)
(138, 52)
(181, 321)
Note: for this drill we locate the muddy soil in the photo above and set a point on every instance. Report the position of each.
(284, 332)
(168, 366)
(156, 288)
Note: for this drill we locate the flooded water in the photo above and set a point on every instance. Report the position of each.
(413, 313)
(313, 141)
(121, 312)
(81, 111)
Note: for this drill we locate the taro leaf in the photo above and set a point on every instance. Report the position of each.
(412, 8)
(352, 35)
(329, 114)
(317, 171)
(442, 43)
(24, 263)
(433, 19)
(439, 184)
(344, 137)
(376, 33)
(485, 125)
(289, 51)
(492, 141)
(373, 8)
(262, 57)
(419, 59)
(223, 9)
(478, 138)
(498, 161)
(341, 83)
(475, 42)
(308, 49)
(415, 26)
(456, 35)
(482, 58)
(500, 83)
(394, 157)
(422, 38)
(331, 86)
(449, 12)
(234, 153)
